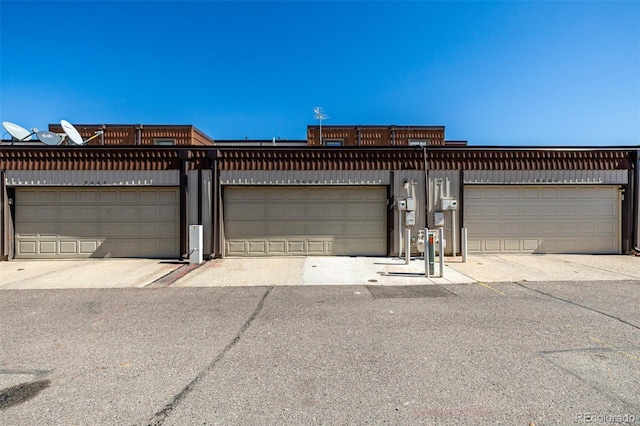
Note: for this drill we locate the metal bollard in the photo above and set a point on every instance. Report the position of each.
(432, 255)
(464, 245)
(407, 247)
(441, 236)
(426, 253)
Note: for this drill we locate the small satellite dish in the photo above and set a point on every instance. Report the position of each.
(71, 132)
(17, 132)
(49, 138)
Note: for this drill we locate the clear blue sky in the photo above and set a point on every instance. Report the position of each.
(493, 73)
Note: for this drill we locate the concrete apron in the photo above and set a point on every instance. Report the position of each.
(295, 271)
(86, 273)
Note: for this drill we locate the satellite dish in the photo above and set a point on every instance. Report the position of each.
(74, 135)
(17, 132)
(49, 138)
(71, 132)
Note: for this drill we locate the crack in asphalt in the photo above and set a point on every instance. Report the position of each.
(579, 305)
(159, 418)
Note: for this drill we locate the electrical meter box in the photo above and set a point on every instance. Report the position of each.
(438, 219)
(449, 204)
(410, 218)
(411, 204)
(402, 205)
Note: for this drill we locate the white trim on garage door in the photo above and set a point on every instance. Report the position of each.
(70, 222)
(290, 221)
(542, 218)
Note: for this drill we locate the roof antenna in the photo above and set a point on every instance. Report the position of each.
(319, 114)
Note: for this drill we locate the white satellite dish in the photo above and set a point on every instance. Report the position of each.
(74, 135)
(18, 133)
(49, 138)
(71, 132)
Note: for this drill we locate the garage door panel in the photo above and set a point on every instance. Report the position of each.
(169, 213)
(560, 219)
(512, 210)
(108, 197)
(26, 246)
(296, 247)
(169, 231)
(292, 211)
(492, 211)
(530, 245)
(169, 197)
(277, 247)
(80, 214)
(236, 248)
(511, 245)
(316, 247)
(149, 197)
(68, 247)
(305, 220)
(46, 213)
(568, 193)
(95, 222)
(549, 228)
(128, 197)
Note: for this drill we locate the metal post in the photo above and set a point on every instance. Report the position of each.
(453, 232)
(426, 253)
(464, 245)
(399, 233)
(432, 254)
(441, 236)
(407, 244)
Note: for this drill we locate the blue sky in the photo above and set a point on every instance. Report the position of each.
(493, 73)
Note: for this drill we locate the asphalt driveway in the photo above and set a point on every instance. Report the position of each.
(469, 354)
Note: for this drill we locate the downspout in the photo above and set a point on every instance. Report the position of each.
(636, 202)
(139, 134)
(359, 129)
(184, 156)
(426, 187)
(3, 219)
(199, 196)
(215, 214)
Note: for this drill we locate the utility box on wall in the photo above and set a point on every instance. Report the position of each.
(195, 244)
(449, 203)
